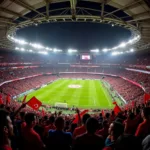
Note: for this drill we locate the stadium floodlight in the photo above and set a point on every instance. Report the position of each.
(95, 50)
(116, 53)
(112, 25)
(43, 52)
(22, 42)
(35, 45)
(123, 44)
(49, 49)
(72, 50)
(57, 50)
(17, 48)
(131, 50)
(105, 50)
(30, 50)
(22, 49)
(131, 41)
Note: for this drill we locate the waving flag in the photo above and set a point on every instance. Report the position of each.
(146, 98)
(117, 109)
(34, 103)
(115, 103)
(81, 114)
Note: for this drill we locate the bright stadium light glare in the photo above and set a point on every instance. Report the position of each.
(22, 42)
(95, 50)
(114, 53)
(112, 25)
(105, 50)
(22, 49)
(16, 48)
(57, 50)
(72, 50)
(30, 50)
(123, 44)
(49, 49)
(38, 46)
(43, 52)
(131, 50)
(131, 41)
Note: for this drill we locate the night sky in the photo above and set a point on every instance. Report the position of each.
(80, 36)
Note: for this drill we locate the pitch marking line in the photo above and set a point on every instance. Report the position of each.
(105, 94)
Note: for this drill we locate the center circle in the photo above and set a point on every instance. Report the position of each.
(74, 86)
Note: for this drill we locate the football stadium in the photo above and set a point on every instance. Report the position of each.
(74, 74)
(76, 93)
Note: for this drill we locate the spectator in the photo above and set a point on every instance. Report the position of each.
(115, 130)
(89, 140)
(31, 139)
(50, 126)
(130, 124)
(72, 127)
(82, 129)
(144, 128)
(6, 130)
(58, 139)
(104, 131)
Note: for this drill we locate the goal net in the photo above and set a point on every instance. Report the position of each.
(61, 105)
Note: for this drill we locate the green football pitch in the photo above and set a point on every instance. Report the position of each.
(75, 92)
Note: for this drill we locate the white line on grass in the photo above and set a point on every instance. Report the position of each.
(94, 101)
(106, 95)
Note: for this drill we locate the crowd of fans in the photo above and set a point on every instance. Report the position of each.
(23, 129)
(18, 87)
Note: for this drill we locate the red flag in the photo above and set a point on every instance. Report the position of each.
(34, 103)
(115, 103)
(24, 99)
(146, 97)
(81, 114)
(43, 112)
(117, 109)
(103, 113)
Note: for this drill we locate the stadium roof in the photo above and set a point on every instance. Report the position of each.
(131, 14)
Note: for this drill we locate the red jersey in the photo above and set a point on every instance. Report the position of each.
(31, 139)
(49, 127)
(143, 129)
(103, 132)
(130, 126)
(6, 147)
(79, 131)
